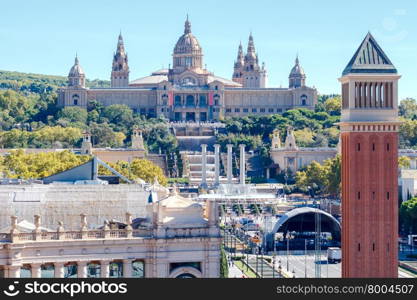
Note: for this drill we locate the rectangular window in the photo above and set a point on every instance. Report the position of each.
(237, 110)
(359, 147)
(271, 110)
(359, 247)
(359, 195)
(254, 110)
(279, 110)
(387, 147)
(373, 195)
(228, 110)
(262, 110)
(373, 246)
(387, 195)
(373, 147)
(245, 110)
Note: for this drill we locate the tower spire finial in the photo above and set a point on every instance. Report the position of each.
(187, 26)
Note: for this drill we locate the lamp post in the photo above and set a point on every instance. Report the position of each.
(262, 263)
(305, 258)
(279, 268)
(288, 253)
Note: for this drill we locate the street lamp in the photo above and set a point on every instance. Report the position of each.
(279, 268)
(288, 253)
(305, 258)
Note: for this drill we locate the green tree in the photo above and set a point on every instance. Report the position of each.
(408, 215)
(333, 106)
(408, 108)
(19, 164)
(73, 114)
(224, 267)
(404, 162)
(120, 115)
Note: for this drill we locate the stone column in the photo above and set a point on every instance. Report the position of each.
(36, 270)
(82, 269)
(105, 271)
(59, 270)
(216, 164)
(229, 164)
(14, 272)
(242, 163)
(203, 165)
(127, 268)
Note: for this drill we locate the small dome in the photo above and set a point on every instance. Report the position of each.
(76, 69)
(297, 70)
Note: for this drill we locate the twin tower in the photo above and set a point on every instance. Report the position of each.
(369, 134)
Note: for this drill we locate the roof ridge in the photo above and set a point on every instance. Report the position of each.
(369, 58)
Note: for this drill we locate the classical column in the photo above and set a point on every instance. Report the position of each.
(105, 271)
(59, 270)
(14, 272)
(216, 164)
(36, 270)
(82, 269)
(242, 163)
(229, 164)
(127, 268)
(204, 165)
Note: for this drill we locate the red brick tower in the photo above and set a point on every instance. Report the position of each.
(369, 130)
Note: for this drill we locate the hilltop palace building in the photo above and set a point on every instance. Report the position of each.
(188, 91)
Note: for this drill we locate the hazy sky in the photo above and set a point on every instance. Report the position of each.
(43, 36)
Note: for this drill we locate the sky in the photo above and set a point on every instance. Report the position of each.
(43, 36)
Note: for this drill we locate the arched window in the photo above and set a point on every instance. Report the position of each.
(138, 269)
(303, 100)
(188, 81)
(70, 270)
(203, 100)
(116, 269)
(47, 271)
(164, 99)
(93, 270)
(178, 100)
(75, 99)
(190, 100)
(26, 271)
(216, 98)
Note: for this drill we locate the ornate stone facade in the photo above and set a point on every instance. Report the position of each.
(177, 238)
(188, 91)
(291, 157)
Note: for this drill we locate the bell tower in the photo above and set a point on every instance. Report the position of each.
(369, 131)
(120, 66)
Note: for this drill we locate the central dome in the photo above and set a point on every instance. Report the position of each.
(187, 44)
(187, 52)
